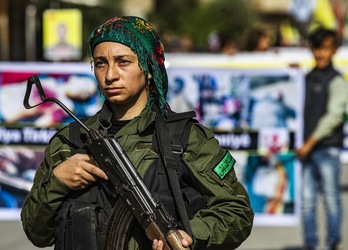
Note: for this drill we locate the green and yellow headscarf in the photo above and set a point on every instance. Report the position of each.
(140, 36)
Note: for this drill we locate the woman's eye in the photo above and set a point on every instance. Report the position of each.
(99, 63)
(124, 62)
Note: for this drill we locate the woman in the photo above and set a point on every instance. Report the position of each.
(128, 60)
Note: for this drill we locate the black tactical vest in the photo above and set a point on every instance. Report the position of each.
(83, 219)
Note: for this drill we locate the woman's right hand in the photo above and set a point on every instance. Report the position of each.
(79, 171)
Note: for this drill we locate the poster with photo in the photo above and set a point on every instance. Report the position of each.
(74, 85)
(24, 133)
(62, 34)
(273, 186)
(17, 169)
(226, 99)
(256, 114)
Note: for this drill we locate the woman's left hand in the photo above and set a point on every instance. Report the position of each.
(186, 241)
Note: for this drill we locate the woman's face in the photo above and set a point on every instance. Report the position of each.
(120, 79)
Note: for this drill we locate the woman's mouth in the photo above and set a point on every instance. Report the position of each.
(113, 91)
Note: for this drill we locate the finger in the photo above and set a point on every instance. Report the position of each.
(82, 157)
(186, 242)
(186, 238)
(159, 245)
(154, 244)
(81, 186)
(89, 165)
(92, 160)
(95, 172)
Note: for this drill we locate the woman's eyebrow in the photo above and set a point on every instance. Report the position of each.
(116, 57)
(124, 56)
(98, 57)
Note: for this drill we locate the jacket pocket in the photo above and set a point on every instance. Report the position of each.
(80, 226)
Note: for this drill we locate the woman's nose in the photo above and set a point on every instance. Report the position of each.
(112, 74)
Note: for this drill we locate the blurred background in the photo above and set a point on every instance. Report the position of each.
(185, 26)
(223, 58)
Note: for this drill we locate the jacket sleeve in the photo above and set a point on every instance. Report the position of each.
(335, 111)
(227, 221)
(46, 195)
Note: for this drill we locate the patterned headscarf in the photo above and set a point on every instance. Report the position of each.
(140, 36)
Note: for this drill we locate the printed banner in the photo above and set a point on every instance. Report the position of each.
(255, 113)
(25, 133)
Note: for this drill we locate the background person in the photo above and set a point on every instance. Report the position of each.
(326, 99)
(257, 39)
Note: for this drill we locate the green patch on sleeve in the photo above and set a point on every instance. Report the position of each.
(224, 166)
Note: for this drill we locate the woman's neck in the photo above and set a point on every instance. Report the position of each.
(122, 112)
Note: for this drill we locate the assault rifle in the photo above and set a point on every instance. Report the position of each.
(123, 180)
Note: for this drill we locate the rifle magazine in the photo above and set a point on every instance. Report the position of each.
(119, 227)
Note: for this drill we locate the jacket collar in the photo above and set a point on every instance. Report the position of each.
(102, 121)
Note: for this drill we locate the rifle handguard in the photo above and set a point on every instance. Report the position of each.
(174, 238)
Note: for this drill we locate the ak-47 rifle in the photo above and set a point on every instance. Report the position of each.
(123, 180)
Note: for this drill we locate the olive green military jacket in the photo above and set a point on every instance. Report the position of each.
(226, 222)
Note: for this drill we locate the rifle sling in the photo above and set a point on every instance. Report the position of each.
(170, 163)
